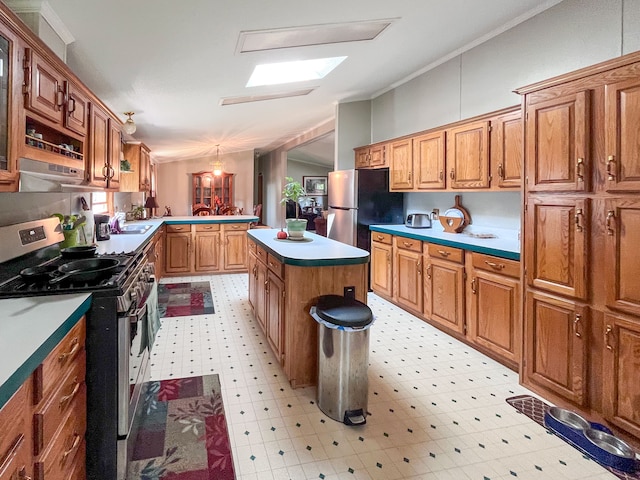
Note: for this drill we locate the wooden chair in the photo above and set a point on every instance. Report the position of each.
(200, 209)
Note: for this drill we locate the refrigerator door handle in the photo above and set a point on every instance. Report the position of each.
(342, 208)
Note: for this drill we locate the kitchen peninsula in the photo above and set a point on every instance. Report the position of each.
(285, 279)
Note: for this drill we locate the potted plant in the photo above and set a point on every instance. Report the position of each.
(293, 191)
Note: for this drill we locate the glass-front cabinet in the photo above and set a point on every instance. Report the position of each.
(212, 190)
(9, 99)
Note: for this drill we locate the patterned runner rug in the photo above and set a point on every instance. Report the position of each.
(183, 434)
(184, 299)
(536, 409)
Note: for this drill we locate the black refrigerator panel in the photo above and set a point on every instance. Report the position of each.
(376, 205)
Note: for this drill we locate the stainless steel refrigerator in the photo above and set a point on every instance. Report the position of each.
(357, 199)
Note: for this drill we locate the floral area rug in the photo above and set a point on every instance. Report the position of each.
(184, 299)
(183, 434)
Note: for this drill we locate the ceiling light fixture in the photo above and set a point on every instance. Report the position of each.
(297, 71)
(217, 166)
(129, 126)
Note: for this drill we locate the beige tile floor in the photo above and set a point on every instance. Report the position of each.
(437, 406)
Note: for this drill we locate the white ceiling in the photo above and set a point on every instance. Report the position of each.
(172, 62)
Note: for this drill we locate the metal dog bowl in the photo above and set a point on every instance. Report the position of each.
(611, 444)
(569, 418)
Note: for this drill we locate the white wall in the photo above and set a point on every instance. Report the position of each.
(353, 129)
(174, 181)
(297, 170)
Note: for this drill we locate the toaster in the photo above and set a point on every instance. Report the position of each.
(418, 220)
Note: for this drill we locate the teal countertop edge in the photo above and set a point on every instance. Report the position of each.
(311, 263)
(168, 221)
(14, 382)
(448, 243)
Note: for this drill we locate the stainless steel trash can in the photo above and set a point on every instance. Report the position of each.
(343, 358)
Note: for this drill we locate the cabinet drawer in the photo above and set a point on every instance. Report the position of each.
(381, 237)
(261, 253)
(14, 430)
(510, 268)
(207, 227)
(448, 253)
(275, 266)
(409, 244)
(15, 460)
(178, 228)
(70, 395)
(59, 362)
(231, 227)
(66, 450)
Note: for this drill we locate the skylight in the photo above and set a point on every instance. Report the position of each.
(288, 72)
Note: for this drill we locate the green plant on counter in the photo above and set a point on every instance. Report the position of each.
(70, 222)
(292, 191)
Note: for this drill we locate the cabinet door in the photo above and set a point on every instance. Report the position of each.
(12, 135)
(468, 155)
(207, 252)
(556, 335)
(507, 150)
(622, 120)
(98, 145)
(253, 280)
(177, 258)
(381, 269)
(622, 265)
(494, 315)
(621, 388)
(429, 161)
(558, 144)
(46, 90)
(145, 169)
(261, 296)
(76, 112)
(401, 165)
(407, 278)
(16, 460)
(556, 241)
(377, 157)
(275, 313)
(444, 293)
(362, 157)
(235, 250)
(113, 154)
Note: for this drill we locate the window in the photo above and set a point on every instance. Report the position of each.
(101, 202)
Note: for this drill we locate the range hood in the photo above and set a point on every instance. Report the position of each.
(37, 176)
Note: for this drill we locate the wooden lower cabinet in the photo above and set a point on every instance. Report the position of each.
(234, 250)
(556, 346)
(177, 252)
(381, 264)
(493, 314)
(407, 273)
(207, 252)
(15, 437)
(444, 293)
(620, 372)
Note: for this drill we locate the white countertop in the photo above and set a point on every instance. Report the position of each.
(29, 329)
(314, 251)
(506, 243)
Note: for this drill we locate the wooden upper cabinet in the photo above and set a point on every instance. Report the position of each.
(76, 114)
(622, 265)
(362, 157)
(139, 179)
(113, 154)
(98, 162)
(372, 156)
(507, 150)
(556, 241)
(556, 346)
(12, 133)
(558, 133)
(45, 92)
(400, 164)
(468, 155)
(622, 124)
(621, 359)
(429, 161)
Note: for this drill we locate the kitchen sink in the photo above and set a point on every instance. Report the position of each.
(139, 229)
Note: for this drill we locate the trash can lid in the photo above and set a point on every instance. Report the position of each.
(342, 311)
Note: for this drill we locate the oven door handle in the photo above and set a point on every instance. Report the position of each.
(135, 315)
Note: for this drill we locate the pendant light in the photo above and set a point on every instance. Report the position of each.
(217, 166)
(129, 126)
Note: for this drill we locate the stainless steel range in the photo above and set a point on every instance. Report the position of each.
(117, 354)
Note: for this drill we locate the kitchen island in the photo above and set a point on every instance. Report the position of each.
(285, 279)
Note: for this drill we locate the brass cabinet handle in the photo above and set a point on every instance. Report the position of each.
(419, 268)
(208, 227)
(76, 442)
(177, 228)
(577, 325)
(429, 271)
(235, 227)
(13, 450)
(606, 337)
(407, 244)
(452, 174)
(444, 253)
(388, 258)
(580, 169)
(60, 98)
(409, 176)
(611, 215)
(105, 171)
(266, 287)
(255, 271)
(76, 346)
(71, 105)
(441, 175)
(578, 218)
(500, 171)
(473, 286)
(380, 237)
(66, 398)
(22, 474)
(611, 163)
(497, 266)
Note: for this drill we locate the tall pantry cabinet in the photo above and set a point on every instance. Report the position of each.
(581, 234)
